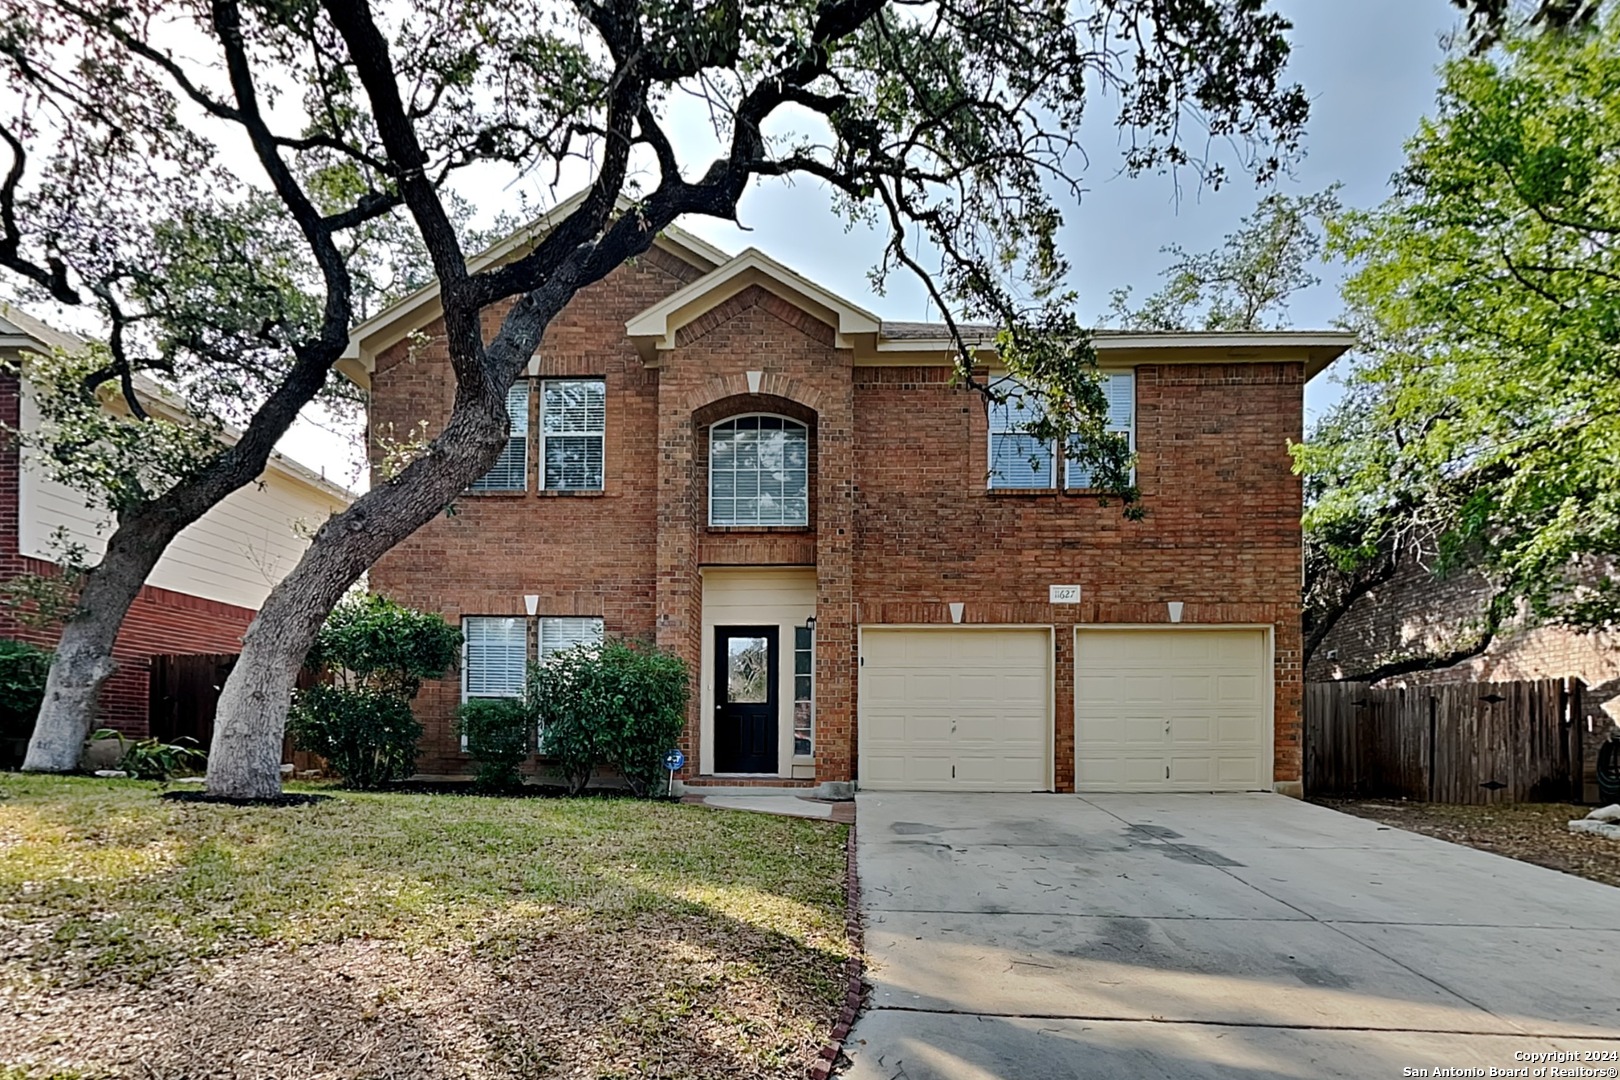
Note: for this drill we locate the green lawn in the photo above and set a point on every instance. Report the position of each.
(410, 935)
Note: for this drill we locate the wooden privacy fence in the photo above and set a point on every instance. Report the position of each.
(183, 697)
(1463, 743)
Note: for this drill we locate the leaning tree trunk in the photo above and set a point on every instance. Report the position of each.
(83, 659)
(244, 761)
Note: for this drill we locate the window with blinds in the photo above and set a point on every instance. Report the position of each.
(558, 633)
(759, 472)
(573, 423)
(804, 691)
(1120, 387)
(496, 652)
(1017, 458)
(510, 471)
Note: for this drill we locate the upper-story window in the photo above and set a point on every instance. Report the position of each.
(510, 471)
(573, 424)
(1019, 460)
(572, 433)
(1120, 386)
(759, 471)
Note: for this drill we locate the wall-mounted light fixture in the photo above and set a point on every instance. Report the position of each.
(810, 624)
(531, 604)
(1175, 610)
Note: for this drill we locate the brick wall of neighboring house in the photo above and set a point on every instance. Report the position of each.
(160, 621)
(1417, 613)
(901, 523)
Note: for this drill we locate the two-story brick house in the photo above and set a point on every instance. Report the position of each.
(868, 576)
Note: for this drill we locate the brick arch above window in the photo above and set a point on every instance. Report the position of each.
(719, 409)
(783, 388)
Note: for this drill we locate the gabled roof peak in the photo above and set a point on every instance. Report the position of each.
(654, 329)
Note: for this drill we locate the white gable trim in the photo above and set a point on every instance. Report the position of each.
(654, 330)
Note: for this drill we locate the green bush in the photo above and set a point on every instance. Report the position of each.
(618, 705)
(368, 737)
(372, 643)
(375, 654)
(154, 759)
(499, 734)
(23, 668)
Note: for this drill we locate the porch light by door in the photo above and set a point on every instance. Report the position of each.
(810, 624)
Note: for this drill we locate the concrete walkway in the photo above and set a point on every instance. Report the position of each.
(1029, 937)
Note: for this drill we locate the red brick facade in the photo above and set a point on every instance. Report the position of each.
(901, 523)
(160, 621)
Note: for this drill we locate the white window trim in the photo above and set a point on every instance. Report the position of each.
(808, 479)
(795, 755)
(540, 461)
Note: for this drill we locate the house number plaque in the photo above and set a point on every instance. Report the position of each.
(1065, 594)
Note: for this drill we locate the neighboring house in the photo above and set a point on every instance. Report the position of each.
(865, 574)
(209, 583)
(1417, 613)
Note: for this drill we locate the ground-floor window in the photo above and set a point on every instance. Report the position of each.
(804, 691)
(559, 633)
(496, 654)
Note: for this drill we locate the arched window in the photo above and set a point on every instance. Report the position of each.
(759, 471)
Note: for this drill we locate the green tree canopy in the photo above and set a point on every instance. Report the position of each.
(1483, 423)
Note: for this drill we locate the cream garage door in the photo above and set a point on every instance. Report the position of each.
(1172, 710)
(955, 709)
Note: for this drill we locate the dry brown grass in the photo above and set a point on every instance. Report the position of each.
(410, 936)
(1533, 832)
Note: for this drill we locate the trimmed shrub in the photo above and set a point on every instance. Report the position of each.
(499, 734)
(618, 705)
(23, 668)
(376, 654)
(368, 737)
(370, 642)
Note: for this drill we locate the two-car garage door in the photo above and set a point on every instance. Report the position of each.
(970, 708)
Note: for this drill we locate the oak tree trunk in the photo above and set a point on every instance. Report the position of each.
(83, 659)
(244, 761)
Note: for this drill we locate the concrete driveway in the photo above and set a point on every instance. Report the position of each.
(1029, 937)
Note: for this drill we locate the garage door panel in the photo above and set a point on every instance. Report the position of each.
(949, 709)
(1162, 709)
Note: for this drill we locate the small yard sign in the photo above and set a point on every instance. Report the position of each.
(1065, 594)
(674, 760)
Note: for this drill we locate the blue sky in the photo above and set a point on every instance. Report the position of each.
(1368, 67)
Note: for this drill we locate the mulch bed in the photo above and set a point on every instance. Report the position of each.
(285, 799)
(1530, 832)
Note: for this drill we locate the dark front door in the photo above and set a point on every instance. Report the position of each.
(745, 699)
